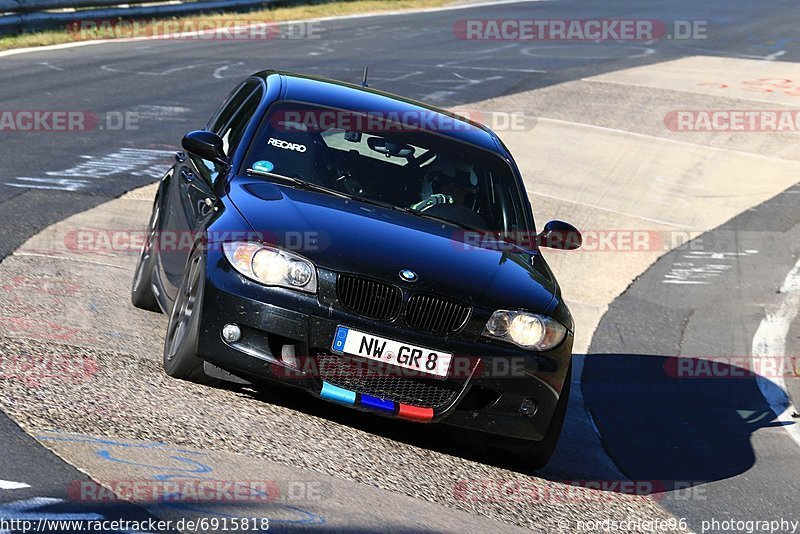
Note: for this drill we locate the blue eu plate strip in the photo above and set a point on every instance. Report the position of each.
(337, 394)
(339, 338)
(375, 403)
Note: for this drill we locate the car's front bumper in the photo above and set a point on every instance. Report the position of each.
(489, 386)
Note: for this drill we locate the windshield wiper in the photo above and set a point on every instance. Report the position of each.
(411, 211)
(300, 183)
(440, 219)
(379, 203)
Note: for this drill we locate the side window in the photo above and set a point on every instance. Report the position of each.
(232, 132)
(231, 105)
(230, 124)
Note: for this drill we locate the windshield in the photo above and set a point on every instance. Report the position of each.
(399, 166)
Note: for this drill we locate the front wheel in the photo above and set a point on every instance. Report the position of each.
(180, 345)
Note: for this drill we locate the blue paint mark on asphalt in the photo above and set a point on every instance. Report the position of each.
(198, 467)
(306, 517)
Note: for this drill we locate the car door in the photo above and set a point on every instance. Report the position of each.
(192, 198)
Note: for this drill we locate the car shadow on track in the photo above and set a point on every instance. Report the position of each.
(661, 430)
(676, 422)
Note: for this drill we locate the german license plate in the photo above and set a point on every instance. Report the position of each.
(389, 351)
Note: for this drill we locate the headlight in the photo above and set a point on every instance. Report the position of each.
(528, 330)
(271, 266)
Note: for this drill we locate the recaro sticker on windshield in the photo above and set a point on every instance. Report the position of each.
(286, 145)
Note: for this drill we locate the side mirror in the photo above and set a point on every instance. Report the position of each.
(206, 145)
(559, 235)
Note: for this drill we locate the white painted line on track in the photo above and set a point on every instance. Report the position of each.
(770, 342)
(687, 91)
(691, 273)
(769, 57)
(595, 206)
(394, 13)
(453, 65)
(546, 51)
(9, 485)
(655, 137)
(69, 258)
(140, 162)
(54, 184)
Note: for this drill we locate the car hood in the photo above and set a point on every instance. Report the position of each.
(349, 236)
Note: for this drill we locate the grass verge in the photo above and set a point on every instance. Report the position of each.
(275, 14)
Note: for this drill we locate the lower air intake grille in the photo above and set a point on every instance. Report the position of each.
(435, 314)
(367, 297)
(355, 376)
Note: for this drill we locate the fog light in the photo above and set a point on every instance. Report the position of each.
(231, 333)
(528, 407)
(288, 356)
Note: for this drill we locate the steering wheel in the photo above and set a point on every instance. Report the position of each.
(350, 184)
(429, 206)
(342, 168)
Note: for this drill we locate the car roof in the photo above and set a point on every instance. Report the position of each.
(346, 96)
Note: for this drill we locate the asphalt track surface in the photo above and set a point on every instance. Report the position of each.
(700, 432)
(174, 86)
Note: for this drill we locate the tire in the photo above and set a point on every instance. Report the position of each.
(534, 455)
(142, 295)
(180, 344)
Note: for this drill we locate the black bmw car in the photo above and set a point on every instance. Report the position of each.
(374, 251)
